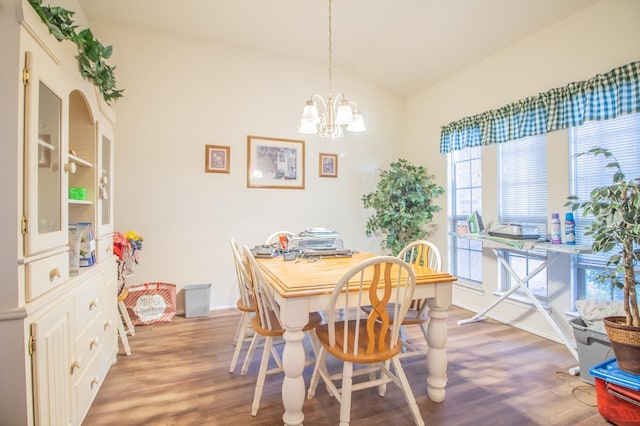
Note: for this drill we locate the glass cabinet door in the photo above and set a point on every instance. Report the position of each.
(45, 179)
(105, 182)
(49, 185)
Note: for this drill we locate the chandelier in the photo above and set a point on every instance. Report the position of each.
(329, 118)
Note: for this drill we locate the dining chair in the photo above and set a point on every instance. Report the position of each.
(266, 323)
(369, 339)
(419, 253)
(245, 303)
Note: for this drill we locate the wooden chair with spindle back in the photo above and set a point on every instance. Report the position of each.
(420, 254)
(370, 339)
(244, 304)
(266, 323)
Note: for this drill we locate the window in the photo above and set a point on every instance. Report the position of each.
(522, 194)
(620, 136)
(465, 196)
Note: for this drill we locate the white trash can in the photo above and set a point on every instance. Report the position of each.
(197, 298)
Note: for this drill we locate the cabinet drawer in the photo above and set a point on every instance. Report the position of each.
(88, 304)
(90, 342)
(45, 274)
(87, 386)
(104, 250)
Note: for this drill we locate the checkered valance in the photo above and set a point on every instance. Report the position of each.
(602, 97)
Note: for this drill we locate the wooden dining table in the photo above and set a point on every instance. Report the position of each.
(305, 285)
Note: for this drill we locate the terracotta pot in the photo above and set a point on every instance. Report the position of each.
(625, 341)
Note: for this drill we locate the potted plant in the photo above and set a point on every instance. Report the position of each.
(616, 229)
(403, 204)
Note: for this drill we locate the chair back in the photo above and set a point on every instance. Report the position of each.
(377, 282)
(422, 253)
(243, 275)
(267, 310)
(273, 238)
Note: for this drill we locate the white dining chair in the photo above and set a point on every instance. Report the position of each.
(245, 303)
(421, 253)
(370, 340)
(266, 324)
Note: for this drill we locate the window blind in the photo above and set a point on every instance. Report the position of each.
(522, 189)
(621, 136)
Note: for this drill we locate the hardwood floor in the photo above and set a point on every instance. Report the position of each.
(178, 374)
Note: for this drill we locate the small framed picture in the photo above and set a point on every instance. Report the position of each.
(275, 163)
(217, 159)
(328, 165)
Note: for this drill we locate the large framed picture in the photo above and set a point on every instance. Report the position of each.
(275, 163)
(328, 165)
(216, 159)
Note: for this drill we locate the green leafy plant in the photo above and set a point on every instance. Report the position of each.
(616, 227)
(403, 203)
(92, 55)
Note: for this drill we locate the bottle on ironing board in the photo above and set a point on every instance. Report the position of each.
(555, 228)
(569, 229)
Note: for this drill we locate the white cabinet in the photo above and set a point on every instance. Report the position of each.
(59, 329)
(72, 344)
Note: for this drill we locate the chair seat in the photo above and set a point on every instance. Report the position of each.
(314, 320)
(243, 307)
(363, 341)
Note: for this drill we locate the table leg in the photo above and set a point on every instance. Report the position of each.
(436, 353)
(294, 316)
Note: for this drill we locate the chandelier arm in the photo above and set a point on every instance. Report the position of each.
(317, 99)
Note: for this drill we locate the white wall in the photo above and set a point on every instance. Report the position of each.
(181, 94)
(592, 41)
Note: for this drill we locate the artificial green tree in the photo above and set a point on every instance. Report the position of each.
(616, 226)
(403, 204)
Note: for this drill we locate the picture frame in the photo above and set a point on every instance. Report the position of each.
(328, 165)
(217, 159)
(275, 163)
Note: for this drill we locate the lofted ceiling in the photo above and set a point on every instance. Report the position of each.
(404, 45)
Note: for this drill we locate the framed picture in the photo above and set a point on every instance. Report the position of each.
(217, 159)
(328, 165)
(275, 163)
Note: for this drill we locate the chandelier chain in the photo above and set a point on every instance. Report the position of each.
(330, 55)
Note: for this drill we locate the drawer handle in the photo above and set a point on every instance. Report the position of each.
(54, 273)
(108, 250)
(93, 342)
(93, 303)
(107, 324)
(94, 381)
(75, 365)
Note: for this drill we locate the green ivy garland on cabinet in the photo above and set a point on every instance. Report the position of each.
(91, 53)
